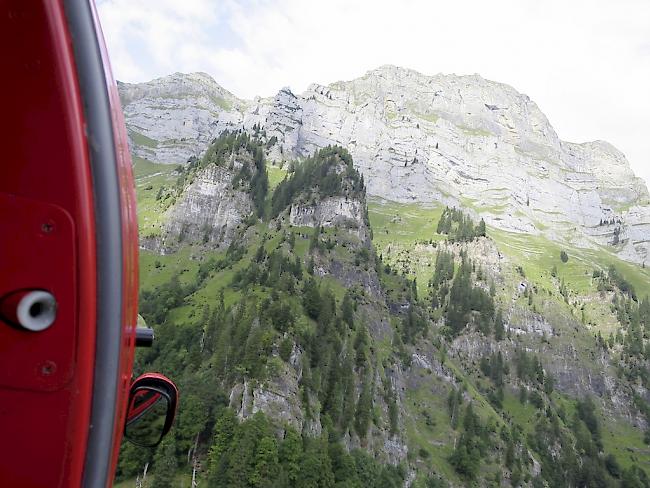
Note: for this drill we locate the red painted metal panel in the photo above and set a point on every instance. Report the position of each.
(45, 176)
(39, 255)
(45, 159)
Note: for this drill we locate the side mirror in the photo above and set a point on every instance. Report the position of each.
(152, 408)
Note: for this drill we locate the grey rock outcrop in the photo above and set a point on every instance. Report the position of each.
(459, 140)
(329, 212)
(173, 118)
(209, 211)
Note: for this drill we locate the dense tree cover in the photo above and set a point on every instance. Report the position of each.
(255, 453)
(259, 183)
(251, 175)
(462, 302)
(458, 226)
(473, 445)
(571, 451)
(454, 405)
(612, 279)
(252, 336)
(222, 148)
(275, 269)
(331, 350)
(334, 349)
(154, 306)
(633, 316)
(252, 454)
(494, 367)
(224, 344)
(166, 464)
(413, 323)
(499, 330)
(530, 370)
(442, 275)
(328, 172)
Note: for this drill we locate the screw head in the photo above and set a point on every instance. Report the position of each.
(48, 368)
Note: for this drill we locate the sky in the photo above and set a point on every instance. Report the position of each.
(586, 63)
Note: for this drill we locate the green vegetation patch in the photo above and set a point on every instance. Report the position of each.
(221, 103)
(142, 140)
(430, 117)
(405, 232)
(154, 189)
(475, 132)
(276, 175)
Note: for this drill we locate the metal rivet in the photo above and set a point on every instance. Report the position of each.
(48, 368)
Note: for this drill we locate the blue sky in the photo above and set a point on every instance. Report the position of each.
(585, 62)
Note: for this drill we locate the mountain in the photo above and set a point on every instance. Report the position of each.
(458, 140)
(169, 119)
(325, 334)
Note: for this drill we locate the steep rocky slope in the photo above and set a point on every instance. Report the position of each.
(402, 344)
(310, 364)
(209, 210)
(459, 140)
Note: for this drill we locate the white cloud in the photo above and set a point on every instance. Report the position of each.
(586, 63)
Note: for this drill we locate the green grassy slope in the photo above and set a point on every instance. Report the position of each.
(153, 183)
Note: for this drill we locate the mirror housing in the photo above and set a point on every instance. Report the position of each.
(152, 408)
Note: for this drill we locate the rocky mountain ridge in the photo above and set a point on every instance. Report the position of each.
(458, 140)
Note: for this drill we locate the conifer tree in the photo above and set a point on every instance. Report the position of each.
(364, 409)
(347, 310)
(498, 326)
(311, 299)
(480, 230)
(165, 463)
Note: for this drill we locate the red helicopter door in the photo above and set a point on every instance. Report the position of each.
(68, 250)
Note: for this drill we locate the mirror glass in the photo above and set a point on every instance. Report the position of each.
(145, 420)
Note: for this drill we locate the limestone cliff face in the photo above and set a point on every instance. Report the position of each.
(173, 118)
(459, 140)
(209, 211)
